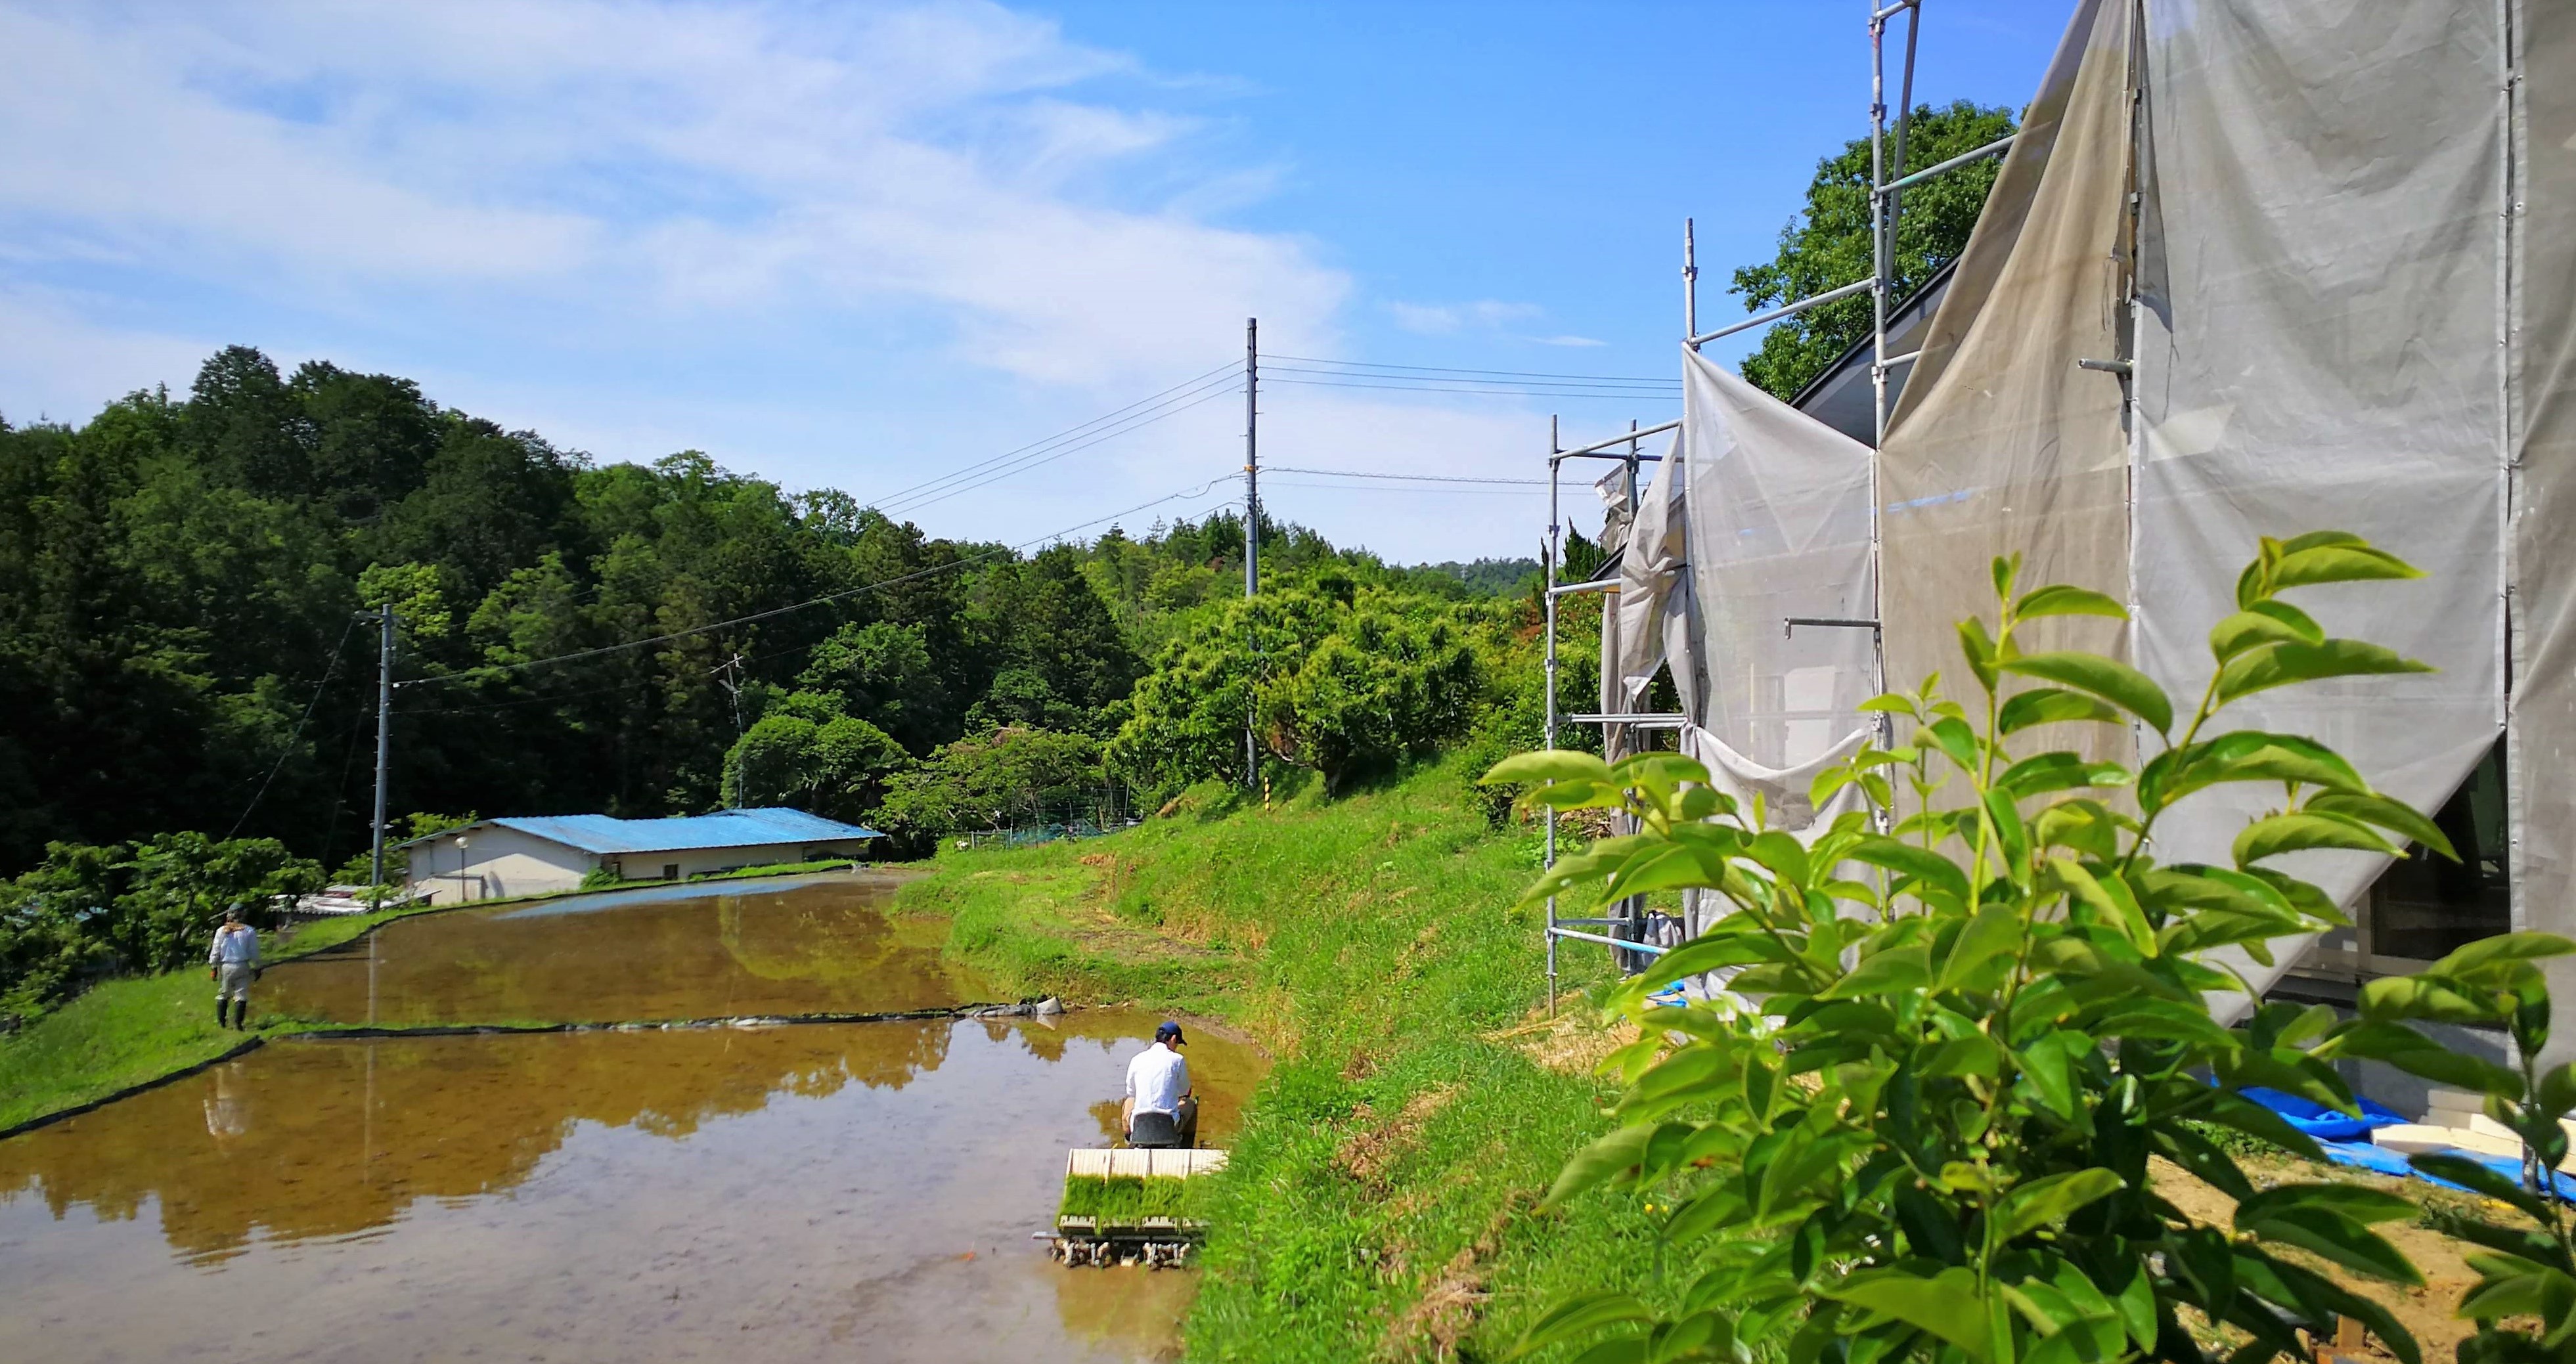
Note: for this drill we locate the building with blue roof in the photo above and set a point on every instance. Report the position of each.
(528, 855)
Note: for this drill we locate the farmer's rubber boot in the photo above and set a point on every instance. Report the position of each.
(241, 1015)
(220, 1006)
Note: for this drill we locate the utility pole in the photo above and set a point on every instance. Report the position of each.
(384, 737)
(729, 676)
(1251, 513)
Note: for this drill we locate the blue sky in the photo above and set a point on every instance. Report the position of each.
(860, 246)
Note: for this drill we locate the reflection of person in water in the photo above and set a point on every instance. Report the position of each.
(227, 1105)
(1160, 1110)
(234, 963)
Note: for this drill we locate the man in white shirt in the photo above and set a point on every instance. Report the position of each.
(234, 963)
(1159, 1109)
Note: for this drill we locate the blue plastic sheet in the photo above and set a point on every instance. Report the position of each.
(2321, 1122)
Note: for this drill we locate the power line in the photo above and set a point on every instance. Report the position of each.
(1046, 457)
(1443, 492)
(307, 718)
(1623, 394)
(1414, 478)
(491, 670)
(1072, 433)
(1618, 385)
(1508, 373)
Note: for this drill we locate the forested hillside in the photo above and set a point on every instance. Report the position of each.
(181, 580)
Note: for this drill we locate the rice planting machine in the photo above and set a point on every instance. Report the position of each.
(1130, 1207)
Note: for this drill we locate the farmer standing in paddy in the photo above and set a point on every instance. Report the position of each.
(234, 963)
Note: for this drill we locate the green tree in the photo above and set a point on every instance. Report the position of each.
(1828, 244)
(1008, 777)
(808, 753)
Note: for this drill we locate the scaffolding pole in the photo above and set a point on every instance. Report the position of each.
(1553, 556)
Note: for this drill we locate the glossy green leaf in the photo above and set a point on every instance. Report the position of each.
(1946, 1304)
(1905, 859)
(2326, 1232)
(2274, 835)
(2278, 665)
(2050, 706)
(2345, 562)
(2355, 1201)
(1580, 1316)
(1988, 940)
(1602, 1160)
(2051, 1199)
(2062, 600)
(2418, 1055)
(1553, 764)
(2110, 679)
(2472, 1175)
(1896, 969)
(1979, 647)
(2473, 957)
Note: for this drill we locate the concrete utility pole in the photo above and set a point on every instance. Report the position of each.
(729, 676)
(1251, 512)
(384, 736)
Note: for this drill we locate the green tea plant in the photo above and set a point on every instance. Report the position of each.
(2526, 1271)
(1978, 1012)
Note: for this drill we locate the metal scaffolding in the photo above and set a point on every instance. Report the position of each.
(1887, 150)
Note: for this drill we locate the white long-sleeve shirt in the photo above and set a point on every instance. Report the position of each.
(1157, 1079)
(235, 945)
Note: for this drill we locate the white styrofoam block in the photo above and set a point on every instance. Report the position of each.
(2416, 1138)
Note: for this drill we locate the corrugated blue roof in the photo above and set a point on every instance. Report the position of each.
(723, 829)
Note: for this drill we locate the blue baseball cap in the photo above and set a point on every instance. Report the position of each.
(1170, 1032)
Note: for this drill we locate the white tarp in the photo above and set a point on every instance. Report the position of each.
(1778, 528)
(2318, 349)
(2003, 444)
(1647, 621)
(2543, 321)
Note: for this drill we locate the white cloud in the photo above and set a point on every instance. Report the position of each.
(643, 225)
(1568, 341)
(638, 164)
(1445, 319)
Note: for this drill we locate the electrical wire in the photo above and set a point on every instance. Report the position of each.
(1616, 394)
(1446, 492)
(1615, 385)
(491, 670)
(1135, 414)
(1445, 369)
(307, 718)
(1050, 456)
(1415, 478)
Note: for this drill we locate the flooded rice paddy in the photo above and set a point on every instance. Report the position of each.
(860, 1190)
(821, 945)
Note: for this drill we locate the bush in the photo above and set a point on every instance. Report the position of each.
(88, 909)
(1925, 1131)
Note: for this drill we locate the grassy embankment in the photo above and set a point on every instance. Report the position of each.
(1377, 1205)
(1379, 1199)
(135, 1029)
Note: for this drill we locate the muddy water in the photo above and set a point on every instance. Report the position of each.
(821, 945)
(861, 1191)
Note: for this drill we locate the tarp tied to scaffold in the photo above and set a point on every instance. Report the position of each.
(1778, 529)
(2356, 310)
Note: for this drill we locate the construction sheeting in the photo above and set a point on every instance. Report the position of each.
(1778, 528)
(2004, 445)
(1647, 622)
(2543, 321)
(2318, 349)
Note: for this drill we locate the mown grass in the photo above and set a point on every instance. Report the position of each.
(128, 1031)
(1381, 1197)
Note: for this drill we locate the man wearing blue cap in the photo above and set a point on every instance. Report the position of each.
(1159, 1110)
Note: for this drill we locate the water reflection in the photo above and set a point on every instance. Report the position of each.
(593, 1195)
(818, 946)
